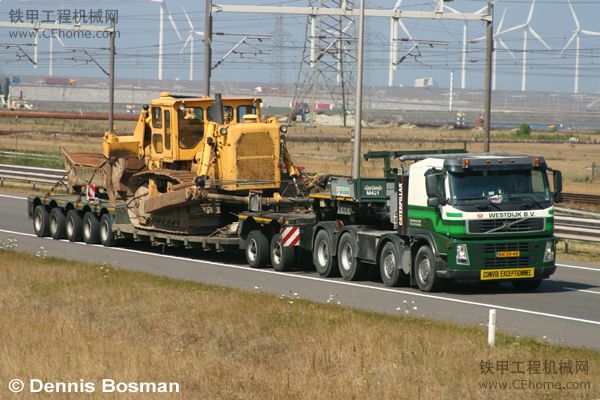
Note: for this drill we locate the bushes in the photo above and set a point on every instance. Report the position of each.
(523, 130)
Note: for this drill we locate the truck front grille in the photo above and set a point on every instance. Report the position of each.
(504, 225)
(508, 262)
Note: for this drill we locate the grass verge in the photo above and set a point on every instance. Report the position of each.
(66, 321)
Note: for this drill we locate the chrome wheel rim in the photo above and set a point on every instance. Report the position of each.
(87, 229)
(425, 269)
(389, 264)
(323, 253)
(104, 231)
(277, 253)
(69, 227)
(252, 250)
(38, 222)
(347, 257)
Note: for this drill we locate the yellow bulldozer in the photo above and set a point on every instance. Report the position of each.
(191, 163)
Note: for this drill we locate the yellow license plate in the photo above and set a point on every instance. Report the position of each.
(504, 254)
(509, 273)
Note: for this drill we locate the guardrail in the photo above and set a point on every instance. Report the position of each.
(566, 227)
(581, 198)
(31, 175)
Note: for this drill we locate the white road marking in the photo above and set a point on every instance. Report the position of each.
(350, 284)
(13, 197)
(580, 290)
(578, 267)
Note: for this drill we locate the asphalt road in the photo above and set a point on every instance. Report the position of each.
(566, 309)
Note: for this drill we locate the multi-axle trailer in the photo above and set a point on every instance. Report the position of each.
(441, 216)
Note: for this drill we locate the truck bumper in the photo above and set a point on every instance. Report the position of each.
(464, 275)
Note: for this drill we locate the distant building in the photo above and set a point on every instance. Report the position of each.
(424, 82)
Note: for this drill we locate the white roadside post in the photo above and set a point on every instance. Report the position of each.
(492, 328)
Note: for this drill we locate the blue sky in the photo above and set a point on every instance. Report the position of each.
(138, 44)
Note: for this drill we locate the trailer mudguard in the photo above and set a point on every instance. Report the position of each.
(406, 259)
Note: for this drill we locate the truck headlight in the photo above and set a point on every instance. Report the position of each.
(549, 251)
(462, 254)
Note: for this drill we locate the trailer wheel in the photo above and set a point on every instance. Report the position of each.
(41, 221)
(91, 228)
(282, 257)
(257, 249)
(389, 267)
(527, 285)
(350, 268)
(74, 226)
(425, 275)
(323, 260)
(57, 223)
(107, 236)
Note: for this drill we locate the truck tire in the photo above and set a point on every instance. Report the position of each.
(350, 268)
(527, 285)
(58, 222)
(107, 236)
(389, 267)
(91, 228)
(257, 249)
(41, 221)
(323, 260)
(282, 257)
(425, 275)
(74, 226)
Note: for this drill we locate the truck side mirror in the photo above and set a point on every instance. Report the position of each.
(432, 180)
(557, 177)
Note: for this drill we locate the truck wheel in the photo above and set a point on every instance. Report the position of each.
(389, 267)
(282, 257)
(91, 228)
(527, 285)
(257, 249)
(107, 236)
(41, 221)
(323, 260)
(57, 223)
(74, 228)
(425, 275)
(350, 268)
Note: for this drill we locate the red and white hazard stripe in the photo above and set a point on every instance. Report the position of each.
(290, 236)
(91, 192)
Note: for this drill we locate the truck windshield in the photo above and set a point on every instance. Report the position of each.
(500, 190)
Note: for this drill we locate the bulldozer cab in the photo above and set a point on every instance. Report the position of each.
(178, 125)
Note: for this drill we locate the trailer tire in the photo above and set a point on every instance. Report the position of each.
(425, 273)
(528, 285)
(107, 236)
(282, 257)
(389, 267)
(57, 225)
(74, 226)
(257, 249)
(350, 267)
(91, 228)
(41, 221)
(323, 260)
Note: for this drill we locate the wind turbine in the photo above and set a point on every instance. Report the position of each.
(526, 29)
(578, 31)
(51, 47)
(394, 23)
(465, 41)
(161, 31)
(497, 39)
(190, 41)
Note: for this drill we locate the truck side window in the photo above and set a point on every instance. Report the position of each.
(156, 117)
(157, 142)
(167, 130)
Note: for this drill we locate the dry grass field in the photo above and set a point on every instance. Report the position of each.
(64, 321)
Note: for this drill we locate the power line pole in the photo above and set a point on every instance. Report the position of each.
(487, 106)
(111, 90)
(359, 81)
(207, 46)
